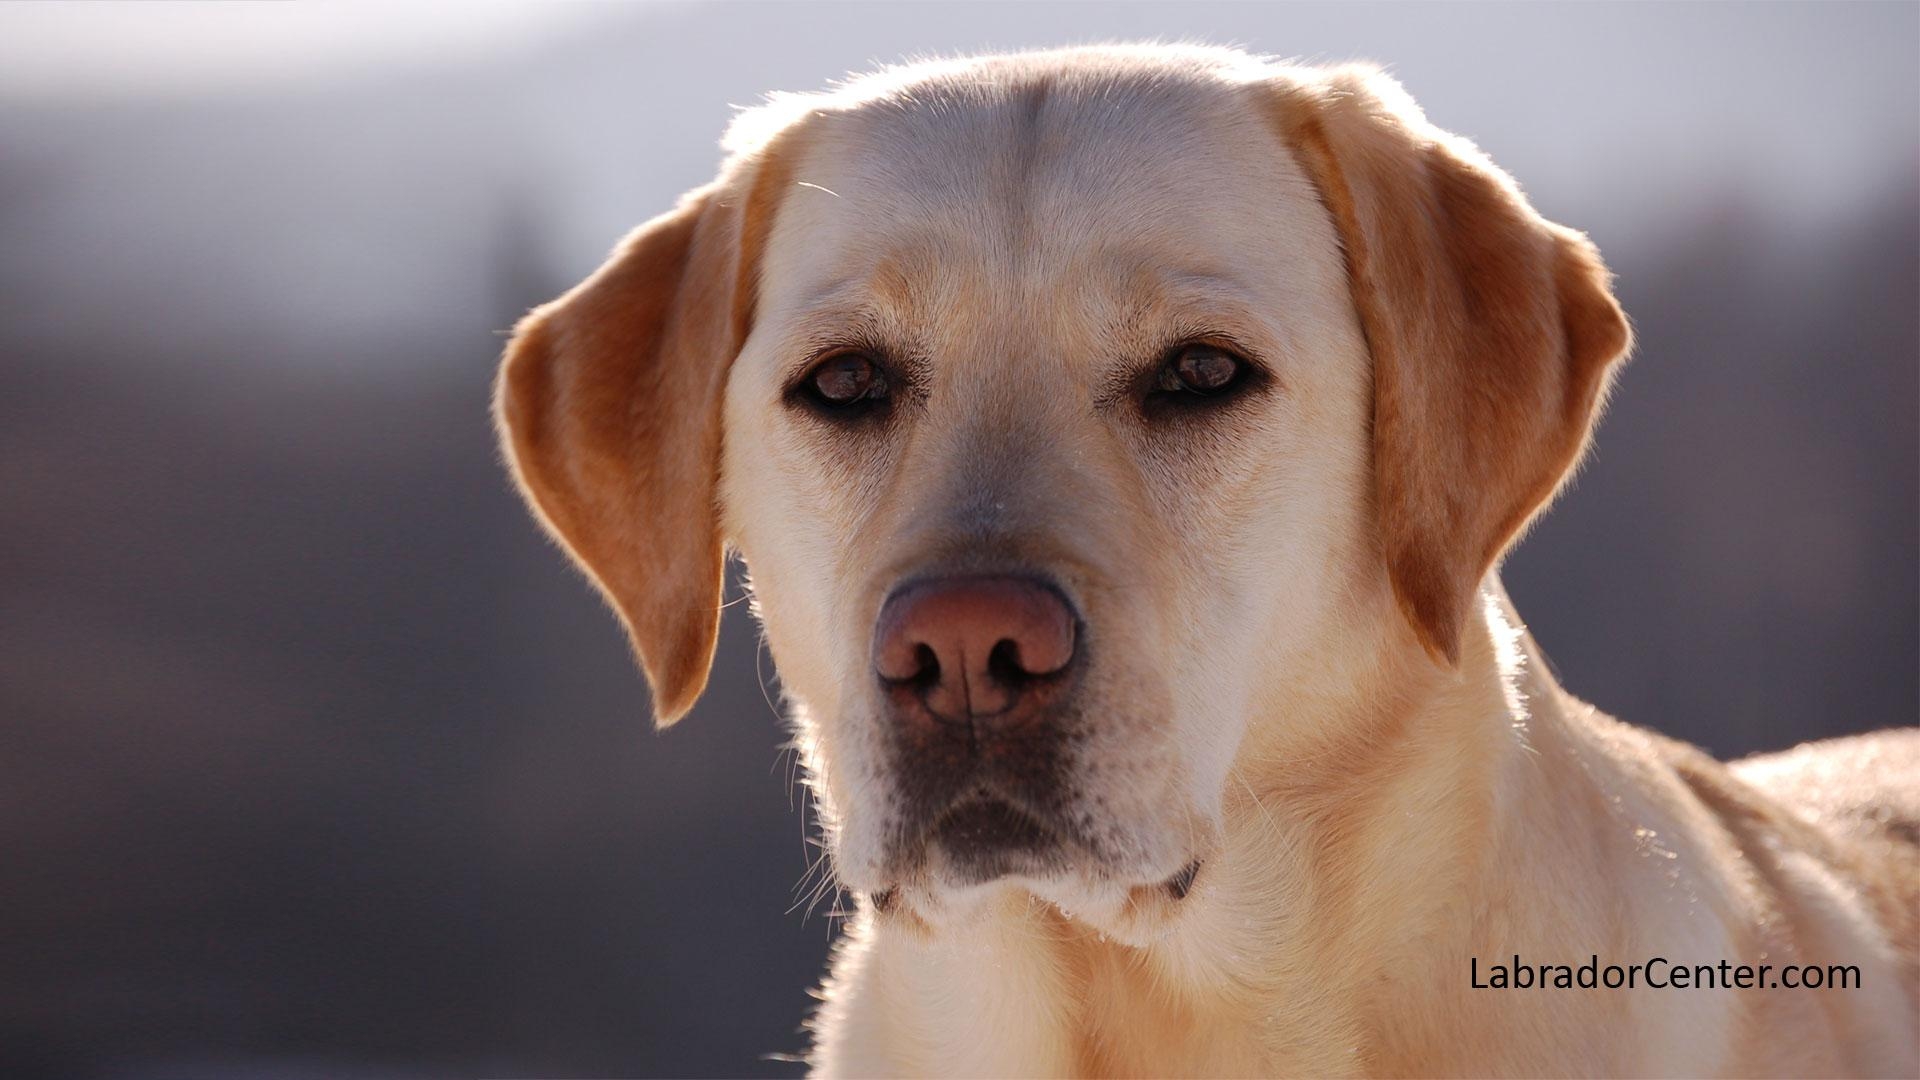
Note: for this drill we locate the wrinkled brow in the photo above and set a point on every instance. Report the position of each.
(1154, 303)
(1131, 309)
(895, 280)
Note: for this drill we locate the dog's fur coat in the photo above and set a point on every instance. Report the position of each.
(1304, 676)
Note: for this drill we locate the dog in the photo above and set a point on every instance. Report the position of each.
(1122, 443)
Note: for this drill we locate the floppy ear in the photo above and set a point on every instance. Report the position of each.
(608, 405)
(1493, 334)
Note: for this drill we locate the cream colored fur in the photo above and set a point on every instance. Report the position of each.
(1381, 780)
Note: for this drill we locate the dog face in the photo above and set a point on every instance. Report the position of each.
(1135, 392)
(1069, 411)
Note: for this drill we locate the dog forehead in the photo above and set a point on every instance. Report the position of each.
(1028, 184)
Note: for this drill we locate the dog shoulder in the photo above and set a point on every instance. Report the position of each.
(1828, 831)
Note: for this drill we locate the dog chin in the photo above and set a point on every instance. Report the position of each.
(948, 895)
(1130, 915)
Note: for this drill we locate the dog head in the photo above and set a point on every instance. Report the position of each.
(1069, 411)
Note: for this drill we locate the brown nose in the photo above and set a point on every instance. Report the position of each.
(972, 646)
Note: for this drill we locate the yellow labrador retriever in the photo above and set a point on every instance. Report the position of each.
(1122, 442)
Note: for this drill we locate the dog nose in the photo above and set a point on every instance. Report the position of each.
(972, 646)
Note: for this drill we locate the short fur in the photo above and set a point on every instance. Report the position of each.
(1303, 673)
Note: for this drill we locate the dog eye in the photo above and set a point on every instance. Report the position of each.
(1199, 370)
(845, 383)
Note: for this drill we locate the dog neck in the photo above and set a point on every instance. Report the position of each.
(1346, 893)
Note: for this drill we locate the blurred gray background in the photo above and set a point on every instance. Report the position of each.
(317, 760)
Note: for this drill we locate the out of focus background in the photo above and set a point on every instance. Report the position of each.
(315, 758)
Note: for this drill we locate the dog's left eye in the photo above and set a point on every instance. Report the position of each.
(1199, 370)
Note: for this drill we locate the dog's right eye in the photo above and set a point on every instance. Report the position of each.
(845, 384)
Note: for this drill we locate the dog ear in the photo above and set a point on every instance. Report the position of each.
(608, 406)
(1493, 334)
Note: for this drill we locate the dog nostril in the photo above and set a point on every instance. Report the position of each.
(1003, 663)
(926, 667)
